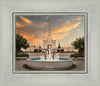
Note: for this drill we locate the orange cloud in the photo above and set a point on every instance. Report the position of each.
(41, 25)
(67, 28)
(58, 33)
(55, 36)
(61, 32)
(79, 18)
(30, 38)
(59, 36)
(25, 19)
(66, 23)
(18, 25)
(43, 36)
(38, 42)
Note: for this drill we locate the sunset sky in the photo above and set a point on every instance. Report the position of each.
(64, 28)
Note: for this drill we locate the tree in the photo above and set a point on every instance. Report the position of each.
(39, 47)
(20, 42)
(59, 45)
(79, 44)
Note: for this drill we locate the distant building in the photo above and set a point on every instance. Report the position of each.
(31, 48)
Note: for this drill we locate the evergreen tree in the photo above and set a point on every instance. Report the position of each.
(39, 47)
(59, 45)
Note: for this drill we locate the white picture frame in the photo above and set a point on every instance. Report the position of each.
(6, 9)
(85, 71)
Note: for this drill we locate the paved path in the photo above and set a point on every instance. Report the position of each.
(20, 63)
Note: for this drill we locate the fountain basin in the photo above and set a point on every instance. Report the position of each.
(62, 63)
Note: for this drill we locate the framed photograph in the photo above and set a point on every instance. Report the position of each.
(49, 43)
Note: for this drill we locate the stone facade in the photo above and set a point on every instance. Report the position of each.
(53, 43)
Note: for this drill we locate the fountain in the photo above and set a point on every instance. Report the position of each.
(49, 56)
(49, 60)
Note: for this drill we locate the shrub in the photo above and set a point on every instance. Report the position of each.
(62, 50)
(77, 55)
(58, 50)
(40, 50)
(21, 54)
(35, 50)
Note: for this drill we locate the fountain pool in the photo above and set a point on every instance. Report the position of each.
(48, 61)
(38, 59)
(37, 63)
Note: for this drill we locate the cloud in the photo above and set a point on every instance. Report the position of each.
(67, 23)
(79, 18)
(31, 30)
(31, 39)
(18, 25)
(54, 36)
(47, 17)
(43, 35)
(41, 25)
(25, 20)
(60, 35)
(35, 32)
(68, 27)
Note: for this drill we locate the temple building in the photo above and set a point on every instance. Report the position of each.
(49, 40)
(53, 43)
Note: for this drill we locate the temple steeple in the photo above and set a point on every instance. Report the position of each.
(49, 38)
(49, 42)
(49, 25)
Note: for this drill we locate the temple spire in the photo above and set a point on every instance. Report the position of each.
(49, 25)
(49, 39)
